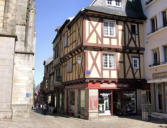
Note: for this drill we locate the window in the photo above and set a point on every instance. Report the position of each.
(116, 3)
(56, 51)
(154, 24)
(164, 15)
(82, 101)
(158, 97)
(165, 53)
(156, 57)
(109, 28)
(72, 98)
(60, 100)
(109, 61)
(69, 66)
(135, 63)
(134, 29)
(65, 40)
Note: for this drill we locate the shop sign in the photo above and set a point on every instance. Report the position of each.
(159, 75)
(27, 94)
(112, 85)
(88, 72)
(123, 85)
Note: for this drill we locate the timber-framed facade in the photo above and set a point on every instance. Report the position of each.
(99, 55)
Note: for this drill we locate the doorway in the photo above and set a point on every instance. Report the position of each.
(104, 103)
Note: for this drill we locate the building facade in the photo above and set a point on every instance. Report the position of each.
(100, 61)
(17, 50)
(156, 54)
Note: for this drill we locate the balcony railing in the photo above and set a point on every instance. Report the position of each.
(157, 29)
(149, 1)
(156, 64)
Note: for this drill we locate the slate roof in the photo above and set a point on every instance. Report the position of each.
(133, 9)
(48, 61)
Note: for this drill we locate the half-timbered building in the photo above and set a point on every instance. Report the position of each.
(101, 60)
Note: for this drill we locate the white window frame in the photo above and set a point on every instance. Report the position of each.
(136, 28)
(113, 3)
(108, 29)
(108, 62)
(133, 62)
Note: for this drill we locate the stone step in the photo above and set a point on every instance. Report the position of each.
(159, 115)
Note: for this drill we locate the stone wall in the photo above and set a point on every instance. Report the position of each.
(7, 45)
(17, 57)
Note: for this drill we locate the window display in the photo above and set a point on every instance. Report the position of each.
(124, 102)
(105, 104)
(129, 101)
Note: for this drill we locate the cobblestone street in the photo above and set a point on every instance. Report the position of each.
(37, 120)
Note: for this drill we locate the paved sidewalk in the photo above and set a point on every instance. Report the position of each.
(37, 120)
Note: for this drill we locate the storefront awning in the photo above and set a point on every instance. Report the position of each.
(157, 80)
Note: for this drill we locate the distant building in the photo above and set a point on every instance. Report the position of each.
(17, 54)
(47, 85)
(156, 54)
(99, 60)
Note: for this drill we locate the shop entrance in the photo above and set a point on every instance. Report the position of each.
(104, 103)
(124, 102)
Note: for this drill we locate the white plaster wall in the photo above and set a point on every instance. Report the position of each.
(157, 39)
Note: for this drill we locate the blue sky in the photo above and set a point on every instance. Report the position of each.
(49, 14)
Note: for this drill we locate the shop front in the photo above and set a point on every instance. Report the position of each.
(159, 97)
(117, 102)
(95, 100)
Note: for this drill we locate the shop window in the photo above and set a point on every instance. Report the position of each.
(154, 26)
(110, 28)
(72, 98)
(82, 101)
(135, 62)
(165, 53)
(55, 101)
(60, 100)
(158, 97)
(166, 96)
(109, 61)
(129, 100)
(164, 15)
(148, 96)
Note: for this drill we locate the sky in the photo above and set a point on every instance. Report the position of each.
(49, 15)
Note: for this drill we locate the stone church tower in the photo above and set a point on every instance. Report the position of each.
(17, 54)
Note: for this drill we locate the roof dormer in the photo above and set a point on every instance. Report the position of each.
(116, 3)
